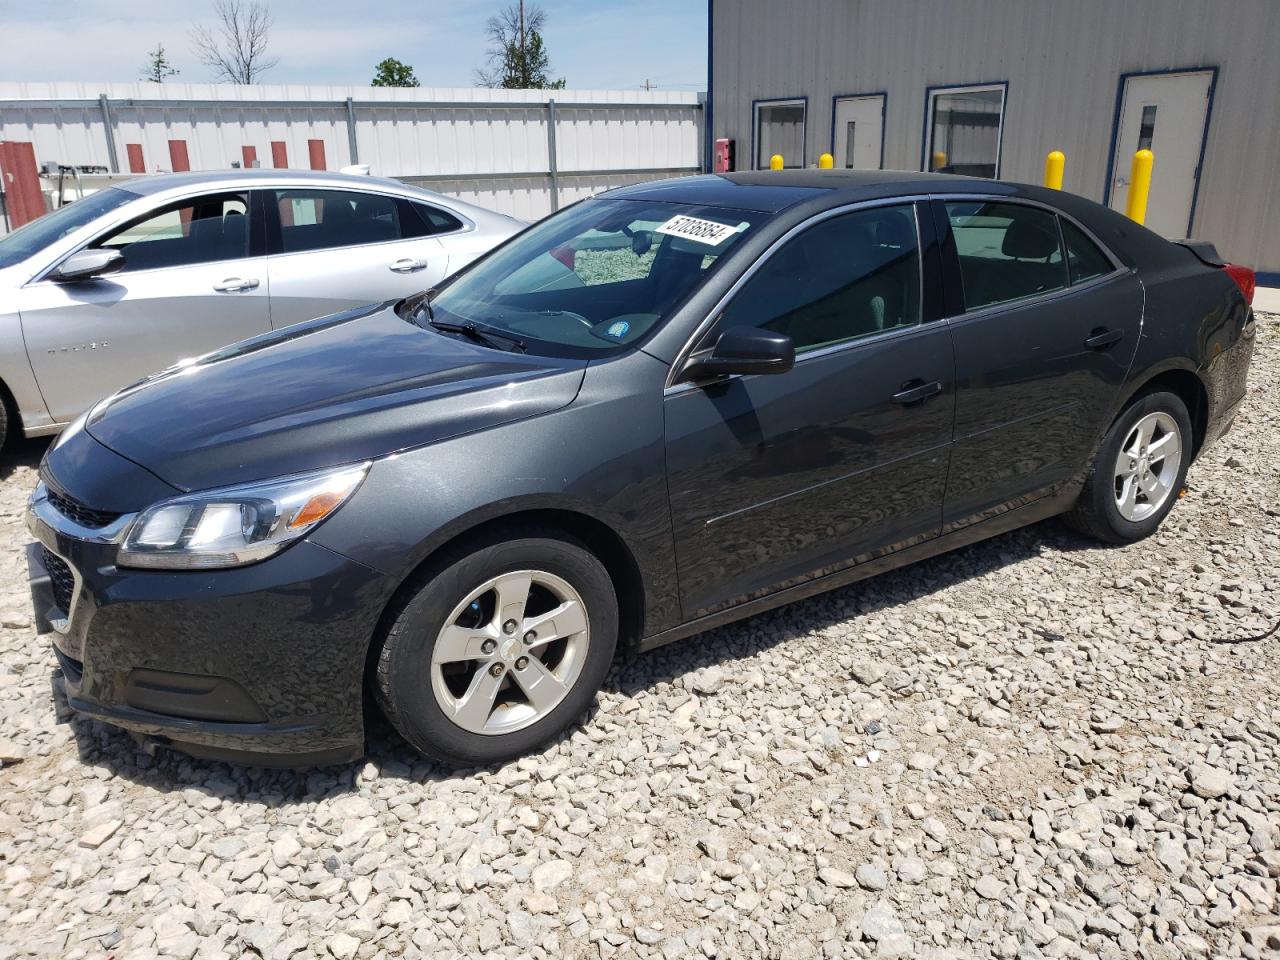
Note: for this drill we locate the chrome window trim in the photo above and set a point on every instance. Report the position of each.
(714, 314)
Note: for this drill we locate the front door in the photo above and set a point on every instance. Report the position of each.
(337, 249)
(777, 478)
(859, 132)
(1166, 114)
(1042, 344)
(190, 284)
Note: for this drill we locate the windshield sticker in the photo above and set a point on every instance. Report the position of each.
(618, 329)
(700, 231)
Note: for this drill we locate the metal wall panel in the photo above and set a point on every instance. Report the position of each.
(403, 133)
(1063, 63)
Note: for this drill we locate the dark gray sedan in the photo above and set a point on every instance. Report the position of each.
(654, 412)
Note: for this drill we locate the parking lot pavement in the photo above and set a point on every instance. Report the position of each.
(1032, 747)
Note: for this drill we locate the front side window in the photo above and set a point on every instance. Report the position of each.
(200, 230)
(964, 126)
(1007, 251)
(31, 238)
(596, 276)
(324, 219)
(848, 277)
(780, 130)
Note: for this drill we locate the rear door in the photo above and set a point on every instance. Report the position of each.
(1042, 344)
(774, 479)
(337, 249)
(194, 279)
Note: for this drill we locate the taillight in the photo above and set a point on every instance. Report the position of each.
(1244, 278)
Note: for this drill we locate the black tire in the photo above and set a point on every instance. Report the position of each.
(5, 420)
(1096, 513)
(402, 676)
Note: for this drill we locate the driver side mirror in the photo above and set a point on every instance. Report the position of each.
(87, 264)
(742, 350)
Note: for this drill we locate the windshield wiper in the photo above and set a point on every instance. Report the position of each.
(473, 331)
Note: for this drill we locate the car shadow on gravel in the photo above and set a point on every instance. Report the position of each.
(388, 755)
(21, 452)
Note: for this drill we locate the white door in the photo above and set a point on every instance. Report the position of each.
(859, 131)
(1165, 114)
(188, 286)
(341, 249)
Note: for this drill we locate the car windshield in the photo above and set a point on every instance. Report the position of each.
(33, 237)
(596, 277)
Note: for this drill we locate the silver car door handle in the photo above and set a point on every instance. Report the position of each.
(235, 284)
(407, 265)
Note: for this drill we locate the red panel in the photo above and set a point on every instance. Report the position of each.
(279, 154)
(316, 149)
(249, 155)
(23, 196)
(178, 160)
(136, 162)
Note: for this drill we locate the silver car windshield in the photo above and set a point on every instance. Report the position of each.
(595, 277)
(33, 237)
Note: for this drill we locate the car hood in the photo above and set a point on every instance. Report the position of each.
(341, 389)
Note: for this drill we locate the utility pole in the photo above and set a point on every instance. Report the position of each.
(647, 85)
(524, 53)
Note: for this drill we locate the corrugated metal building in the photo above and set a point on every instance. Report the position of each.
(523, 152)
(990, 86)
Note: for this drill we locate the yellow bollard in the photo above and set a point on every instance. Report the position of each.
(1140, 186)
(939, 159)
(1054, 164)
(775, 162)
(826, 162)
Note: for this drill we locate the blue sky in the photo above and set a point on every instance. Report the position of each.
(592, 43)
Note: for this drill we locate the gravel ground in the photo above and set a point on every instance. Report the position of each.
(1031, 747)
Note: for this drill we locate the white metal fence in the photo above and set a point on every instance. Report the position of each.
(523, 152)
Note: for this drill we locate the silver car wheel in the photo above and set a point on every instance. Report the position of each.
(1148, 466)
(510, 652)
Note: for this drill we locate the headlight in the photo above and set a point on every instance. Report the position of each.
(234, 526)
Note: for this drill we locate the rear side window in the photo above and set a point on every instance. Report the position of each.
(1007, 251)
(844, 278)
(324, 219)
(200, 230)
(1084, 258)
(424, 220)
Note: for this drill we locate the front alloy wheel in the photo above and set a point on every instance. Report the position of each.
(498, 646)
(510, 652)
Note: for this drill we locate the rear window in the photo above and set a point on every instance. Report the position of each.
(324, 219)
(1007, 251)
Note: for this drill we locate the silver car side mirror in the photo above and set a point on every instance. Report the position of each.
(87, 264)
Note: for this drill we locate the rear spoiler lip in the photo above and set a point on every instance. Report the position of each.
(1204, 251)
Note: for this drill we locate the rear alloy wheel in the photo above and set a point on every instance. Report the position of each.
(499, 650)
(1138, 472)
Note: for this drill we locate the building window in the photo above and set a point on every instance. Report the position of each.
(780, 129)
(964, 127)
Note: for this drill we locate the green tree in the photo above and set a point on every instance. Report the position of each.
(517, 57)
(159, 67)
(392, 73)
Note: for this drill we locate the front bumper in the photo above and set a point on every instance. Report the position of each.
(261, 664)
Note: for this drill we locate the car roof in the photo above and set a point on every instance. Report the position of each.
(157, 183)
(771, 191)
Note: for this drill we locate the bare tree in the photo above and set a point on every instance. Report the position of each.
(517, 58)
(235, 48)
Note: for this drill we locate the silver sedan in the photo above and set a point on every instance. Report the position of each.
(137, 276)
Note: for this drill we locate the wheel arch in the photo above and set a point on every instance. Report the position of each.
(597, 536)
(1185, 383)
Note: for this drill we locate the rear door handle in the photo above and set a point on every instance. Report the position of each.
(407, 265)
(1102, 338)
(235, 284)
(914, 391)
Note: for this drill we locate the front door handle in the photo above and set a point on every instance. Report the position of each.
(407, 265)
(235, 284)
(1101, 338)
(916, 391)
